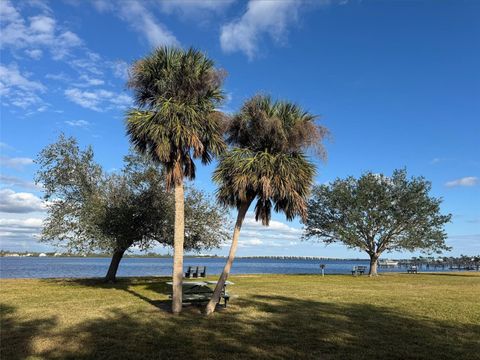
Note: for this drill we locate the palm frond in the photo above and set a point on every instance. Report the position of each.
(177, 93)
(278, 181)
(266, 125)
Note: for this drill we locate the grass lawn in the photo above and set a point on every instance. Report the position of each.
(394, 316)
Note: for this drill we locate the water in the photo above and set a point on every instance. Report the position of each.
(70, 267)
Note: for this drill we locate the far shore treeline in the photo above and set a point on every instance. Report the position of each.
(413, 259)
(265, 161)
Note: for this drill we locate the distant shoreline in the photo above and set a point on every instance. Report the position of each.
(187, 256)
(12, 254)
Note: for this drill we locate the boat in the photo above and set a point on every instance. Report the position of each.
(388, 263)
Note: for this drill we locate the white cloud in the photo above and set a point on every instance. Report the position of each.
(42, 24)
(464, 244)
(251, 224)
(277, 234)
(19, 202)
(41, 4)
(87, 81)
(16, 89)
(5, 146)
(35, 35)
(90, 62)
(90, 67)
(58, 77)
(15, 162)
(35, 32)
(191, 8)
(472, 237)
(20, 233)
(261, 18)
(250, 242)
(140, 18)
(15, 181)
(120, 69)
(465, 181)
(28, 223)
(34, 53)
(77, 123)
(98, 100)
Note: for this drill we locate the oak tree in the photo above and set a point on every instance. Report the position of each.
(376, 213)
(91, 210)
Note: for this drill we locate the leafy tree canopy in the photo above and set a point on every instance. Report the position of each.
(376, 213)
(89, 209)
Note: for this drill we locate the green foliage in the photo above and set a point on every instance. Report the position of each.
(177, 92)
(71, 180)
(376, 213)
(90, 210)
(280, 181)
(275, 127)
(267, 161)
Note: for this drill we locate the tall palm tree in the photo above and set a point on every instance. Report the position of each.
(267, 165)
(176, 92)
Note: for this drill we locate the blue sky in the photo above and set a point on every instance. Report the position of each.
(397, 83)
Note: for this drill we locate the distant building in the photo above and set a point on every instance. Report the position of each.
(42, 255)
(12, 254)
(58, 254)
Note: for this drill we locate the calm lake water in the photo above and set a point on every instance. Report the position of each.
(49, 267)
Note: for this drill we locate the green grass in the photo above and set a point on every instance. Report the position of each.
(397, 316)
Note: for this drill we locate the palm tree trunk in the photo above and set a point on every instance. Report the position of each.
(113, 268)
(178, 239)
(242, 211)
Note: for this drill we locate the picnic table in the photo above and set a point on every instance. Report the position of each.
(359, 270)
(201, 292)
(412, 270)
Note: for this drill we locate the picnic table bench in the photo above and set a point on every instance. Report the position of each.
(412, 270)
(199, 292)
(196, 272)
(359, 270)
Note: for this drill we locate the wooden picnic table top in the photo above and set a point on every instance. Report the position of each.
(190, 283)
(200, 283)
(215, 282)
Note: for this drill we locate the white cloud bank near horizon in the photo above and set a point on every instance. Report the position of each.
(20, 202)
(17, 163)
(276, 234)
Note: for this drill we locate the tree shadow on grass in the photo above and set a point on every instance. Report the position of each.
(16, 333)
(159, 283)
(456, 274)
(265, 327)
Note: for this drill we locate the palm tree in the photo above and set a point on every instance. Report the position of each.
(267, 164)
(176, 92)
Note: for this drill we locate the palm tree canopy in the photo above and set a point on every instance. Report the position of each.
(275, 126)
(176, 92)
(280, 181)
(267, 161)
